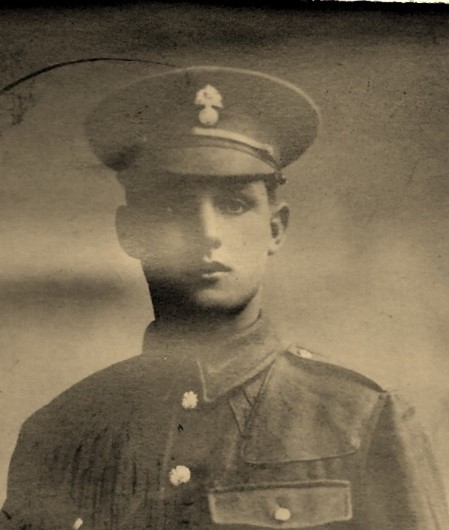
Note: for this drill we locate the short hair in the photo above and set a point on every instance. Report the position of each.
(272, 185)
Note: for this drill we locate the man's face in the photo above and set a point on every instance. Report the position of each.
(208, 241)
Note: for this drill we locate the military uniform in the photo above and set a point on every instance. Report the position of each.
(258, 436)
(232, 432)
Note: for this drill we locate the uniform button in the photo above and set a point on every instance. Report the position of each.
(297, 350)
(354, 440)
(305, 354)
(189, 400)
(282, 514)
(179, 475)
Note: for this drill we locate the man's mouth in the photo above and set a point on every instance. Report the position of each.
(197, 273)
(211, 271)
(212, 268)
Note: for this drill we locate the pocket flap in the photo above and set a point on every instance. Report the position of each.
(282, 505)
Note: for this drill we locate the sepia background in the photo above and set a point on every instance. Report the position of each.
(364, 276)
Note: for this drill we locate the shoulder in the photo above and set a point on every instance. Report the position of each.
(313, 408)
(300, 360)
(103, 398)
(77, 434)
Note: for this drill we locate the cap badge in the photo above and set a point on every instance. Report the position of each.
(210, 99)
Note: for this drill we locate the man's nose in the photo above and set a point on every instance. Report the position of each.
(209, 222)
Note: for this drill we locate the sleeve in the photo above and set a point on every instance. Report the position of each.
(23, 481)
(33, 498)
(402, 485)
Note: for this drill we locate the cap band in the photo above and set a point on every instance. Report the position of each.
(236, 137)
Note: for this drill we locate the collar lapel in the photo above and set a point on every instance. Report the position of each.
(222, 365)
(239, 359)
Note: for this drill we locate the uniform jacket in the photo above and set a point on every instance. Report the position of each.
(278, 438)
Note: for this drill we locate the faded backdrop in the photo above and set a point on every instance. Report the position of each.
(364, 276)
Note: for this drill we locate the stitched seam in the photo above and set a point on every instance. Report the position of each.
(298, 484)
(257, 402)
(374, 420)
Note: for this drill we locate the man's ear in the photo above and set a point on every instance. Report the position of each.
(127, 232)
(280, 214)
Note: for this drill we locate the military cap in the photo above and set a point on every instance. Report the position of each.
(204, 120)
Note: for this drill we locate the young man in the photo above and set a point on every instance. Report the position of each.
(216, 424)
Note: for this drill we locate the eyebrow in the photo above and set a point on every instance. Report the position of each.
(168, 182)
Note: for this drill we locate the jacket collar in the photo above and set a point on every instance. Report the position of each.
(219, 363)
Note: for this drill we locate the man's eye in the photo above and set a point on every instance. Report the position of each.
(233, 206)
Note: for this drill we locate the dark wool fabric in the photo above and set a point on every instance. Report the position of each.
(277, 440)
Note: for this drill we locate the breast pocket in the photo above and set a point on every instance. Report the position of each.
(282, 505)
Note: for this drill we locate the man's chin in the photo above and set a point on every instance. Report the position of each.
(209, 300)
(213, 305)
